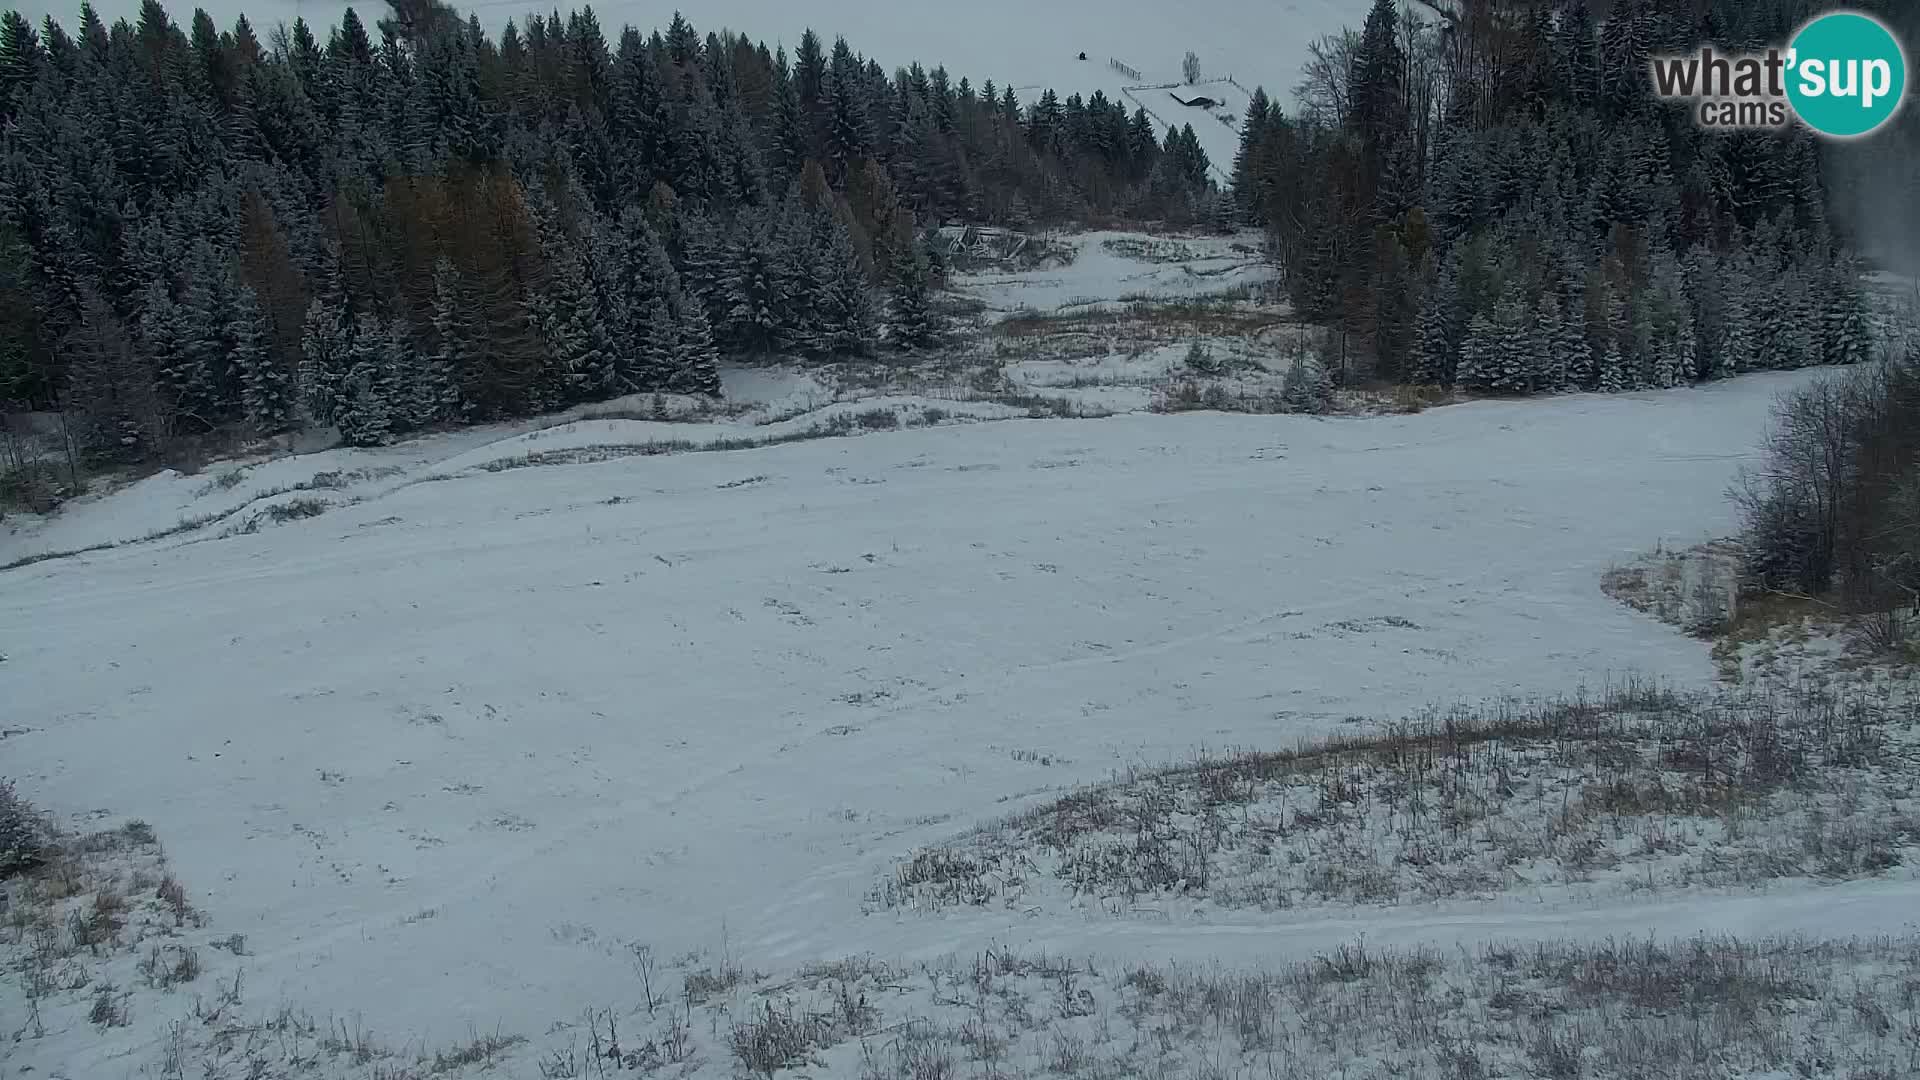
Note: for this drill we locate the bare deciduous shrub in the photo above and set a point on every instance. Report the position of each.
(478, 1050)
(295, 509)
(774, 1038)
(704, 984)
(1832, 511)
(109, 1008)
(174, 895)
(169, 965)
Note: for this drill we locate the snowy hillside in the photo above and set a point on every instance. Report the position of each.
(703, 701)
(1214, 106)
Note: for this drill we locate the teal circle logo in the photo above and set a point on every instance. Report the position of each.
(1846, 74)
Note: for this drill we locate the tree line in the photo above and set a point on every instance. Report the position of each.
(418, 223)
(1495, 200)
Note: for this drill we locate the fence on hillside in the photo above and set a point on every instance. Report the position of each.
(1130, 72)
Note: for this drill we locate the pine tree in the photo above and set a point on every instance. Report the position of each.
(1395, 306)
(266, 390)
(437, 395)
(1571, 357)
(660, 356)
(1479, 366)
(161, 333)
(1736, 352)
(1613, 370)
(363, 412)
(1433, 361)
(205, 381)
(1510, 360)
(1436, 348)
(1253, 129)
(1305, 387)
(754, 297)
(1546, 328)
(1806, 325)
(1686, 354)
(401, 368)
(911, 320)
(603, 373)
(1664, 367)
(1378, 76)
(1849, 339)
(1777, 343)
(324, 359)
(847, 324)
(705, 265)
(698, 368)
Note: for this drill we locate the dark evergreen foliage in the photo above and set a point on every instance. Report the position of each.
(1500, 203)
(387, 228)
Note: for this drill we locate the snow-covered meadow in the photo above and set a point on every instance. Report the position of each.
(446, 754)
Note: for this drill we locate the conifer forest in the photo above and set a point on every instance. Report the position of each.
(422, 222)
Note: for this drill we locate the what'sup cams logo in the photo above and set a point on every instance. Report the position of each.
(1844, 75)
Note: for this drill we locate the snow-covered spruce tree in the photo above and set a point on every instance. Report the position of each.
(1800, 346)
(1638, 355)
(638, 271)
(847, 325)
(324, 358)
(1734, 352)
(1686, 353)
(1434, 355)
(911, 320)
(1848, 338)
(161, 330)
(1669, 320)
(752, 292)
(25, 838)
(1479, 363)
(660, 346)
(266, 390)
(594, 370)
(1774, 345)
(362, 411)
(797, 275)
(697, 366)
(404, 369)
(1571, 356)
(1305, 388)
(1547, 327)
(437, 397)
(1613, 370)
(1514, 352)
(205, 382)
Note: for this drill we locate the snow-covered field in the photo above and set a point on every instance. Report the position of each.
(1111, 269)
(445, 754)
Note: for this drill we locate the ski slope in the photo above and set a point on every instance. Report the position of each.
(444, 753)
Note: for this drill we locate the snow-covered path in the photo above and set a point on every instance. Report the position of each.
(442, 754)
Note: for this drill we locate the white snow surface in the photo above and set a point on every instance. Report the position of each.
(1110, 269)
(681, 700)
